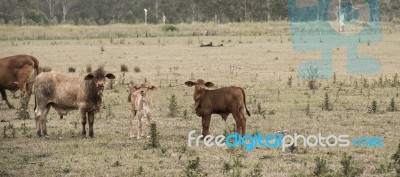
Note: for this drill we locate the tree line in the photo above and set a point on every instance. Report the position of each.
(101, 12)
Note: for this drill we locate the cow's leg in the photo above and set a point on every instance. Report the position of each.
(83, 121)
(4, 96)
(22, 90)
(38, 116)
(140, 131)
(243, 121)
(133, 114)
(91, 121)
(205, 121)
(43, 120)
(238, 122)
(148, 122)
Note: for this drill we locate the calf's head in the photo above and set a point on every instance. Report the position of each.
(199, 87)
(98, 78)
(143, 89)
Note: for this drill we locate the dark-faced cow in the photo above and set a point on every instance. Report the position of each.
(222, 101)
(17, 72)
(141, 105)
(65, 93)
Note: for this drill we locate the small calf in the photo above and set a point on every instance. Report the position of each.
(141, 105)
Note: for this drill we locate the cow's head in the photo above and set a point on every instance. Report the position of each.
(98, 78)
(143, 89)
(199, 87)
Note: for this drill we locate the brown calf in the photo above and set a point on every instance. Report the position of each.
(17, 72)
(141, 105)
(222, 101)
(65, 93)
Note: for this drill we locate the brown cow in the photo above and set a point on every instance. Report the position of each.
(222, 101)
(65, 93)
(141, 105)
(17, 72)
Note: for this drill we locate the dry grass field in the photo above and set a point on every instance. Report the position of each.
(260, 64)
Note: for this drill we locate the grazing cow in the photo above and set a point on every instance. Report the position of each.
(17, 72)
(65, 93)
(222, 101)
(141, 105)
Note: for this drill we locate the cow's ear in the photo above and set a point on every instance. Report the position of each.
(136, 87)
(189, 83)
(209, 84)
(89, 76)
(152, 87)
(110, 76)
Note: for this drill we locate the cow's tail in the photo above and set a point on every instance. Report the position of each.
(244, 100)
(34, 109)
(35, 65)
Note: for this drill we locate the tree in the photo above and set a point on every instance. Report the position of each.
(52, 4)
(66, 6)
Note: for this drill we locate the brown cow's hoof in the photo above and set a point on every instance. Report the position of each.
(39, 134)
(91, 134)
(10, 106)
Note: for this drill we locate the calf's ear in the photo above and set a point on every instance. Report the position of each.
(209, 84)
(189, 83)
(89, 76)
(110, 76)
(152, 87)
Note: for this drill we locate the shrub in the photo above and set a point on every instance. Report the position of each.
(124, 68)
(71, 69)
(173, 106)
(392, 106)
(88, 68)
(327, 105)
(289, 83)
(348, 167)
(154, 136)
(396, 155)
(22, 112)
(44, 69)
(193, 169)
(136, 69)
(374, 107)
(167, 28)
(321, 167)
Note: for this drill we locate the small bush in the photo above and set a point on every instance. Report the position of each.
(321, 167)
(173, 106)
(327, 105)
(349, 169)
(22, 112)
(392, 106)
(44, 69)
(257, 171)
(374, 107)
(396, 155)
(136, 69)
(186, 115)
(154, 136)
(88, 68)
(289, 83)
(193, 169)
(124, 68)
(167, 28)
(109, 113)
(111, 83)
(71, 69)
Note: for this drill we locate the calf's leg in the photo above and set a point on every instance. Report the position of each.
(41, 119)
(83, 121)
(205, 121)
(238, 121)
(133, 114)
(140, 131)
(4, 96)
(91, 121)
